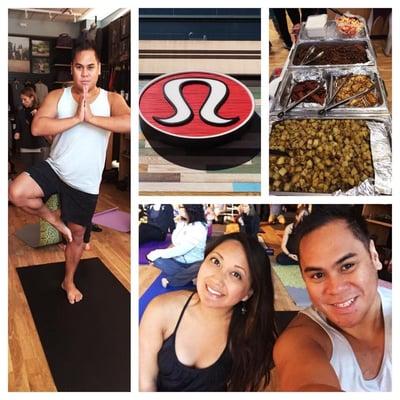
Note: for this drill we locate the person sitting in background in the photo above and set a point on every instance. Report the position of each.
(33, 148)
(288, 256)
(220, 337)
(276, 214)
(188, 244)
(160, 221)
(248, 220)
(343, 342)
(210, 214)
(219, 210)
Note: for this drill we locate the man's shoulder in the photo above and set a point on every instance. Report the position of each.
(56, 93)
(302, 330)
(113, 96)
(303, 341)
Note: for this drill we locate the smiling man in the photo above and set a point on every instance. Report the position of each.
(343, 342)
(80, 119)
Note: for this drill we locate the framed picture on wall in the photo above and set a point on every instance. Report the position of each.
(40, 48)
(125, 25)
(18, 54)
(40, 65)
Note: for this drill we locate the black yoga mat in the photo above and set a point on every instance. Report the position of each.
(87, 344)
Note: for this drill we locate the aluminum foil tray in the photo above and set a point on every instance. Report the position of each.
(328, 46)
(291, 78)
(331, 33)
(379, 92)
(377, 138)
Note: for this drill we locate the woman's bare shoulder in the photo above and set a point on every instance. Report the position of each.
(164, 310)
(170, 301)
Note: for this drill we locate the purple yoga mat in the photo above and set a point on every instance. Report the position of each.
(114, 219)
(146, 248)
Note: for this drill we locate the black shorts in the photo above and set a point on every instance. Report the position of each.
(76, 206)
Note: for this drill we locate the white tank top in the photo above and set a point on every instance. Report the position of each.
(343, 359)
(78, 154)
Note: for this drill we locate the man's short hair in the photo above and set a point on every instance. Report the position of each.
(326, 214)
(82, 45)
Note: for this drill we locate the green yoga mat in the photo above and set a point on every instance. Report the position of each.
(290, 275)
(42, 233)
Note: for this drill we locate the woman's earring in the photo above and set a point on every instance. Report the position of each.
(243, 309)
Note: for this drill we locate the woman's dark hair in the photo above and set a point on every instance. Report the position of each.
(30, 92)
(82, 45)
(195, 212)
(252, 210)
(326, 214)
(252, 334)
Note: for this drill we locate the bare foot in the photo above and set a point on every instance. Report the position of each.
(64, 230)
(73, 294)
(62, 246)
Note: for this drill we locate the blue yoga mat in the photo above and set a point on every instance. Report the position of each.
(154, 290)
(299, 296)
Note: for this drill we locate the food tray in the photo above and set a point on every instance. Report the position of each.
(379, 91)
(370, 59)
(378, 139)
(291, 78)
(330, 77)
(331, 33)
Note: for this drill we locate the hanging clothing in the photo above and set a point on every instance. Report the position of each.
(16, 87)
(41, 91)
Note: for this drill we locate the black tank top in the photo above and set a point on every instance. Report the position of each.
(292, 242)
(173, 376)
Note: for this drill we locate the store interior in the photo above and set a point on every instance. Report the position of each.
(40, 49)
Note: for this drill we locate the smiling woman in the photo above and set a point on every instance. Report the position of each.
(220, 337)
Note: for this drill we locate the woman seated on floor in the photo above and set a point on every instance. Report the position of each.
(220, 337)
(160, 221)
(181, 262)
(288, 255)
(248, 220)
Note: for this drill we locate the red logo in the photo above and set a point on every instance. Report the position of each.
(196, 105)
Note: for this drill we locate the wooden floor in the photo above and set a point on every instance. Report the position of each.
(278, 56)
(273, 236)
(28, 369)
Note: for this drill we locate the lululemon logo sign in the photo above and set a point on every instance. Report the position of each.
(196, 105)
